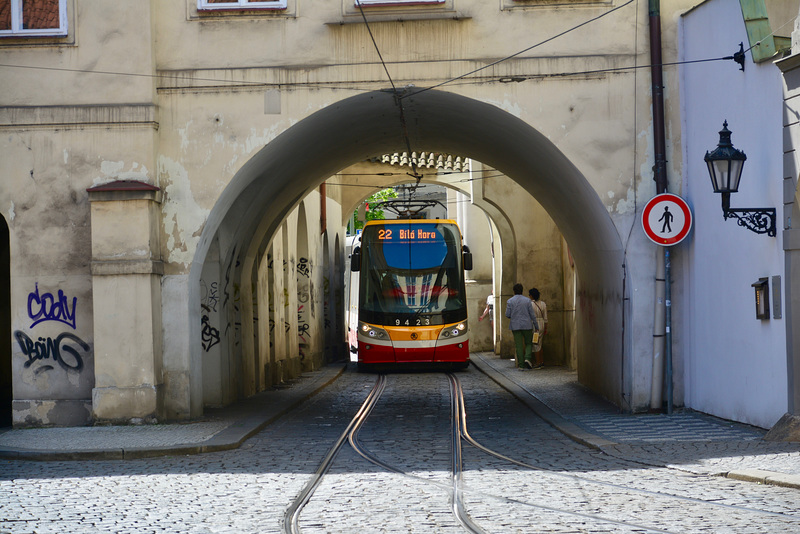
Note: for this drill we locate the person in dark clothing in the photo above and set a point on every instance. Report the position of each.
(523, 324)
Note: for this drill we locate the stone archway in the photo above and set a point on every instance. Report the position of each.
(273, 182)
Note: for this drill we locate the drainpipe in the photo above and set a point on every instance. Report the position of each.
(657, 80)
(658, 335)
(661, 320)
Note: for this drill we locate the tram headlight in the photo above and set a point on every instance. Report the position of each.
(373, 331)
(454, 331)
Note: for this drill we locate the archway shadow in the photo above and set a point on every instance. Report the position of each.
(6, 388)
(274, 181)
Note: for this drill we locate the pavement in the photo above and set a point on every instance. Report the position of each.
(684, 440)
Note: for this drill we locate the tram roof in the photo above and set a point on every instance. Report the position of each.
(409, 221)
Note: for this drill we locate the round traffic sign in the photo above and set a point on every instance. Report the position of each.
(666, 219)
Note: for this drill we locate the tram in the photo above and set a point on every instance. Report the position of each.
(412, 306)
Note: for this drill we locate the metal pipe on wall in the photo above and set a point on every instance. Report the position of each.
(657, 387)
(662, 315)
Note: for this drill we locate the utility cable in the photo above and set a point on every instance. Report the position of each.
(526, 49)
(758, 43)
(397, 97)
(353, 87)
(375, 44)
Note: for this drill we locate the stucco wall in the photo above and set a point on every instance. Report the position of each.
(734, 364)
(196, 129)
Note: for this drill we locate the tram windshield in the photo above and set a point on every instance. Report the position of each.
(411, 274)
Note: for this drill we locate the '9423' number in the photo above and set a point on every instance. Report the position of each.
(416, 322)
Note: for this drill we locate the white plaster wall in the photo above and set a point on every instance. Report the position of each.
(735, 364)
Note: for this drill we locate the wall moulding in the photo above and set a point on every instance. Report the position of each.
(14, 117)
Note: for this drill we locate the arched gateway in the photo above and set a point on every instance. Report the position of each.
(269, 186)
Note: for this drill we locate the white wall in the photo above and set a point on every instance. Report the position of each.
(735, 364)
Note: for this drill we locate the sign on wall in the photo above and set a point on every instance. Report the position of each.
(666, 219)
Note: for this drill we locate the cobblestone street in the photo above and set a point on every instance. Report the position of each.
(565, 486)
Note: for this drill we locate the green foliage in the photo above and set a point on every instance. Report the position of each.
(373, 213)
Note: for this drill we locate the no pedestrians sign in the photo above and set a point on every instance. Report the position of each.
(666, 219)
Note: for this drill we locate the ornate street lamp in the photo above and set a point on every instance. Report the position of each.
(725, 165)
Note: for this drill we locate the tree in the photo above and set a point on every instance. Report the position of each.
(373, 212)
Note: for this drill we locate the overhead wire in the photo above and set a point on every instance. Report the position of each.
(397, 96)
(339, 85)
(526, 49)
(448, 81)
(463, 78)
(758, 43)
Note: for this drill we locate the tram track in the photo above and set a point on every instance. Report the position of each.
(292, 516)
(619, 487)
(351, 434)
(455, 486)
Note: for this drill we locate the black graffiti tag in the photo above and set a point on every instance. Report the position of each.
(46, 307)
(304, 267)
(209, 295)
(210, 334)
(49, 348)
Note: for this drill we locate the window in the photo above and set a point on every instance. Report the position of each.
(33, 17)
(393, 2)
(204, 5)
(399, 10)
(526, 4)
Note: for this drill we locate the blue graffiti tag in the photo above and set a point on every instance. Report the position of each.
(46, 307)
(49, 348)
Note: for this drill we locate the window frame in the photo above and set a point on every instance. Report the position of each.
(16, 29)
(378, 3)
(241, 5)
(526, 4)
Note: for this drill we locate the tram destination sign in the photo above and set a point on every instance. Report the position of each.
(422, 234)
(666, 219)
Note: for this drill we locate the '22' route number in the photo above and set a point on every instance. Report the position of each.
(384, 234)
(419, 322)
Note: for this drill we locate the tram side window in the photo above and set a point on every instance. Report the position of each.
(20, 18)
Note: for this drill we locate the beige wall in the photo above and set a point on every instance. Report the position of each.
(212, 106)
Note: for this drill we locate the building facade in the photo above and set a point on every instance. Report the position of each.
(177, 176)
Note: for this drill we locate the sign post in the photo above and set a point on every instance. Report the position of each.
(666, 221)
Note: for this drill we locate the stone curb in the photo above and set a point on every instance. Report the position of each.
(765, 477)
(527, 397)
(584, 437)
(256, 417)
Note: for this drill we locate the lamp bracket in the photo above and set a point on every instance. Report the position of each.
(738, 57)
(758, 220)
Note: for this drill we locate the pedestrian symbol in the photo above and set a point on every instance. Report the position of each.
(666, 219)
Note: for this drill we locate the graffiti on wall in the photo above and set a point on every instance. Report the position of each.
(304, 268)
(65, 350)
(210, 335)
(47, 307)
(209, 296)
(209, 300)
(271, 307)
(305, 291)
(232, 299)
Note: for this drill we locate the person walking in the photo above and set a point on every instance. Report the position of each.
(489, 310)
(540, 310)
(523, 324)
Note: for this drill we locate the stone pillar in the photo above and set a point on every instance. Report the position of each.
(126, 287)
